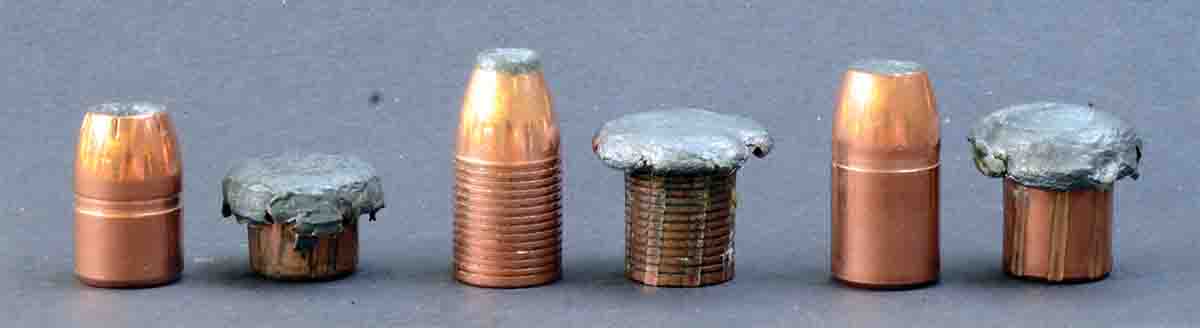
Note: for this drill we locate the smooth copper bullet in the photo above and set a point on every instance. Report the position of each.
(680, 176)
(301, 212)
(128, 177)
(1059, 162)
(507, 211)
(885, 177)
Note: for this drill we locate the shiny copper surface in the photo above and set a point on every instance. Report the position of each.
(885, 181)
(274, 253)
(127, 208)
(679, 229)
(507, 211)
(1057, 236)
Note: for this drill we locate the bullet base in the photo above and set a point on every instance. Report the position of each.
(113, 250)
(679, 229)
(1057, 236)
(128, 284)
(680, 280)
(476, 280)
(1067, 281)
(886, 287)
(273, 253)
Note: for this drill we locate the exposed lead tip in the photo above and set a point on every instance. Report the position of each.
(887, 67)
(127, 109)
(509, 60)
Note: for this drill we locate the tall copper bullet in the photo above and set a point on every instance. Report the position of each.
(681, 171)
(128, 177)
(1059, 162)
(885, 177)
(301, 212)
(507, 212)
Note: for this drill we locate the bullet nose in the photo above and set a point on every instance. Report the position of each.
(507, 114)
(127, 208)
(886, 117)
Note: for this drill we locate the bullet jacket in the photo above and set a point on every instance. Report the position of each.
(507, 195)
(884, 186)
(128, 179)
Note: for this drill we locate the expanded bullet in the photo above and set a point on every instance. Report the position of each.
(507, 212)
(885, 177)
(1059, 163)
(302, 212)
(128, 177)
(680, 174)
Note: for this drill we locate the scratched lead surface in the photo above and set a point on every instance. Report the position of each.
(314, 192)
(509, 60)
(1056, 146)
(680, 141)
(887, 66)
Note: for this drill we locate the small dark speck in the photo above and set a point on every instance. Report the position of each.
(375, 98)
(1091, 105)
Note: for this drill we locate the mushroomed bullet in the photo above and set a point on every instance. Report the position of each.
(884, 186)
(681, 168)
(507, 211)
(302, 212)
(1059, 162)
(128, 177)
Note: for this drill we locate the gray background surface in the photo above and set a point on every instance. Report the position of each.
(247, 77)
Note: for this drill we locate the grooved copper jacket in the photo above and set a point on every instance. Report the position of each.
(507, 211)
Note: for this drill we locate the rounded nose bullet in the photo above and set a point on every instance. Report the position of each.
(128, 177)
(884, 184)
(507, 212)
(1059, 162)
(681, 171)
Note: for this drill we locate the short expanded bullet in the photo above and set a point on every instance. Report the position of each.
(302, 212)
(884, 186)
(680, 175)
(128, 178)
(507, 211)
(1059, 163)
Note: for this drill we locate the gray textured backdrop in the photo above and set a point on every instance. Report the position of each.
(246, 77)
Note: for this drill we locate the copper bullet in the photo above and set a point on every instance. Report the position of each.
(128, 177)
(681, 171)
(507, 210)
(884, 186)
(1059, 162)
(301, 212)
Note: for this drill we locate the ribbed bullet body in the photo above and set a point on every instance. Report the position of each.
(507, 212)
(885, 177)
(128, 178)
(679, 229)
(1057, 236)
